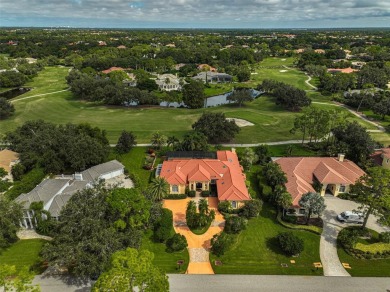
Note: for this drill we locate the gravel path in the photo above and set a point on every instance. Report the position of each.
(31, 234)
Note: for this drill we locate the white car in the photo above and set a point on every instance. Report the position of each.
(351, 217)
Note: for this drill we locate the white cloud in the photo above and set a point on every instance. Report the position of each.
(198, 11)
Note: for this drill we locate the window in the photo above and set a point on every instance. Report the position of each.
(342, 189)
(175, 189)
(302, 211)
(234, 204)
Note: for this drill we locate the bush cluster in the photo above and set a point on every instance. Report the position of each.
(163, 228)
(290, 243)
(176, 243)
(235, 224)
(220, 243)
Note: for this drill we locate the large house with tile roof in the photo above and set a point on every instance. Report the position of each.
(223, 174)
(55, 193)
(381, 157)
(333, 175)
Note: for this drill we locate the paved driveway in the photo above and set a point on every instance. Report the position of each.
(198, 245)
(328, 243)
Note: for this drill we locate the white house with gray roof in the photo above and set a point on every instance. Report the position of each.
(55, 193)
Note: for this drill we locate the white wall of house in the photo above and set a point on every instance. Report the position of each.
(112, 174)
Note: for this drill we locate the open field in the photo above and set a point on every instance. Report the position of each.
(256, 252)
(271, 122)
(24, 253)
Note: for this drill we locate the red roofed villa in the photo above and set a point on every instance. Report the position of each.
(381, 157)
(113, 69)
(333, 174)
(222, 176)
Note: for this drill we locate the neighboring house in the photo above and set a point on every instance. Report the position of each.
(213, 77)
(7, 159)
(222, 175)
(319, 51)
(358, 64)
(55, 193)
(206, 67)
(348, 70)
(381, 157)
(121, 47)
(330, 174)
(113, 69)
(168, 82)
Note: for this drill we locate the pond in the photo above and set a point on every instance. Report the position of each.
(213, 100)
(14, 92)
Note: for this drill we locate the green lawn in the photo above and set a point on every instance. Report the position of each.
(167, 262)
(133, 162)
(365, 268)
(24, 253)
(256, 252)
(271, 122)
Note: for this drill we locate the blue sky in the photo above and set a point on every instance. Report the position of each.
(196, 13)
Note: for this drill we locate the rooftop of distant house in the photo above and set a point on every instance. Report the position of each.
(379, 155)
(344, 70)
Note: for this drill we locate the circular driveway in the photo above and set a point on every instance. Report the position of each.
(328, 243)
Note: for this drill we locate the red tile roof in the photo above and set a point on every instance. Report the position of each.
(112, 69)
(300, 172)
(226, 170)
(378, 155)
(345, 70)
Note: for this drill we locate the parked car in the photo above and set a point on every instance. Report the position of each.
(351, 217)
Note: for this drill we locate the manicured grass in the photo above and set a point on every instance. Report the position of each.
(256, 250)
(24, 253)
(271, 122)
(133, 162)
(365, 268)
(200, 230)
(383, 138)
(220, 88)
(297, 150)
(166, 261)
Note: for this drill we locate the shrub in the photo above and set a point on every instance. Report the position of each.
(191, 194)
(177, 242)
(135, 179)
(348, 237)
(251, 209)
(220, 243)
(290, 244)
(205, 194)
(225, 207)
(163, 228)
(29, 181)
(384, 237)
(235, 224)
(175, 196)
(266, 192)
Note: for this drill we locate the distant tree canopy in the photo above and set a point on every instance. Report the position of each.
(239, 96)
(216, 128)
(10, 216)
(286, 95)
(6, 108)
(108, 91)
(12, 79)
(57, 148)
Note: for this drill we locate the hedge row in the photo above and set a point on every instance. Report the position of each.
(175, 197)
(374, 247)
(310, 228)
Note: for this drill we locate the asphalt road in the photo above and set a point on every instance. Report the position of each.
(225, 283)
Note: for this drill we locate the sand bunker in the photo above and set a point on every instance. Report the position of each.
(240, 122)
(282, 71)
(283, 59)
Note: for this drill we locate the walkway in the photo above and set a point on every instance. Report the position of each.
(328, 243)
(42, 94)
(31, 234)
(198, 245)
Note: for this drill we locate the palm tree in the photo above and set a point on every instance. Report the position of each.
(171, 141)
(284, 201)
(158, 188)
(158, 140)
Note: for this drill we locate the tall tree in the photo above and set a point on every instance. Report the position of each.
(356, 140)
(158, 188)
(193, 141)
(216, 128)
(284, 201)
(193, 94)
(132, 270)
(10, 216)
(274, 175)
(7, 109)
(373, 190)
(172, 141)
(313, 203)
(126, 141)
(239, 96)
(248, 158)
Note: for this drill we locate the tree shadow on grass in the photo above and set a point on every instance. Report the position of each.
(272, 244)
